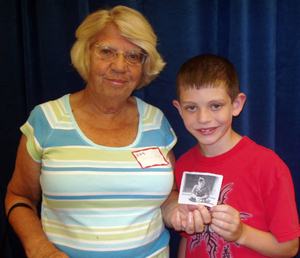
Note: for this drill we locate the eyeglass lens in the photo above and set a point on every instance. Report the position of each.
(108, 53)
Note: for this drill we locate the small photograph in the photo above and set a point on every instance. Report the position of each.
(200, 187)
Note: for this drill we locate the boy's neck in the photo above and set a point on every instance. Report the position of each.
(225, 144)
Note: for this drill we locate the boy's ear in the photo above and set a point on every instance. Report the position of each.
(238, 104)
(177, 105)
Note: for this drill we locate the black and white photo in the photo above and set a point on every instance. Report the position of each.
(200, 187)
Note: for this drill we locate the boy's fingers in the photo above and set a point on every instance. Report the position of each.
(176, 221)
(199, 226)
(194, 222)
(206, 217)
(190, 224)
(223, 208)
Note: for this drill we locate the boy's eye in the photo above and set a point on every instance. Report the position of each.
(191, 108)
(215, 106)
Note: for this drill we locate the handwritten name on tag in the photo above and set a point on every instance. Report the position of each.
(150, 157)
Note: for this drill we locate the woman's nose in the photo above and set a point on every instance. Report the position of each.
(119, 63)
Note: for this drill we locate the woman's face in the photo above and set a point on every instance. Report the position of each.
(114, 78)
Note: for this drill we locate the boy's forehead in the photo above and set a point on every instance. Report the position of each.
(211, 93)
(214, 84)
(195, 88)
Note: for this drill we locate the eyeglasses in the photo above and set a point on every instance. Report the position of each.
(131, 57)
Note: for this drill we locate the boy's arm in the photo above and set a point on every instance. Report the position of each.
(266, 243)
(186, 218)
(182, 248)
(227, 223)
(183, 217)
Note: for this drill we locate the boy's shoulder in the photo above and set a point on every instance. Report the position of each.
(260, 149)
(188, 155)
(263, 155)
(245, 150)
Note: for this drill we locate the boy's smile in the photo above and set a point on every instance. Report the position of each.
(207, 114)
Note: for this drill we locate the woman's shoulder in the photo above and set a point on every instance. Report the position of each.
(146, 106)
(59, 103)
(149, 113)
(56, 108)
(53, 111)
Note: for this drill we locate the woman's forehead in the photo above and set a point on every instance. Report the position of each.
(112, 37)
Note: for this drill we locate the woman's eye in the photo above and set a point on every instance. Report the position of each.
(106, 51)
(133, 56)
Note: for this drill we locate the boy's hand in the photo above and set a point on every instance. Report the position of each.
(190, 218)
(226, 222)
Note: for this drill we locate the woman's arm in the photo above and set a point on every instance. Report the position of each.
(24, 187)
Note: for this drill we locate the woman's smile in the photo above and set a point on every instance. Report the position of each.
(117, 81)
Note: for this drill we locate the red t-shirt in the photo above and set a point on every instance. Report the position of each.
(257, 183)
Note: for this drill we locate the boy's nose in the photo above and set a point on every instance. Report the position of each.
(203, 116)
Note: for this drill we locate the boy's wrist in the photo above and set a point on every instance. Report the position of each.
(241, 240)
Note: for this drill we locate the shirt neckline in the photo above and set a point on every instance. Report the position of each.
(212, 161)
(90, 142)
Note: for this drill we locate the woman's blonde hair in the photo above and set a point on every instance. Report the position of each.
(132, 25)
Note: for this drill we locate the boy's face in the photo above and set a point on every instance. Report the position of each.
(201, 183)
(207, 114)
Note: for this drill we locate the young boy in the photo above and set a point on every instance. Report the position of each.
(256, 215)
(199, 193)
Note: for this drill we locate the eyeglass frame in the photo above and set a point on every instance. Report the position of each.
(118, 52)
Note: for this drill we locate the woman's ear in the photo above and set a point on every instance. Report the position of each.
(238, 104)
(176, 104)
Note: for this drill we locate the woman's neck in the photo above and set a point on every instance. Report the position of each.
(102, 105)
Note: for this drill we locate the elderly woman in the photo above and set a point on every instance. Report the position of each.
(100, 159)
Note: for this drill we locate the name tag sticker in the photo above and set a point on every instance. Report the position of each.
(150, 157)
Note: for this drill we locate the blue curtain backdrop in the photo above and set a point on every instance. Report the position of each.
(260, 37)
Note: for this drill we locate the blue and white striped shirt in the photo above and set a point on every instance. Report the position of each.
(102, 201)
